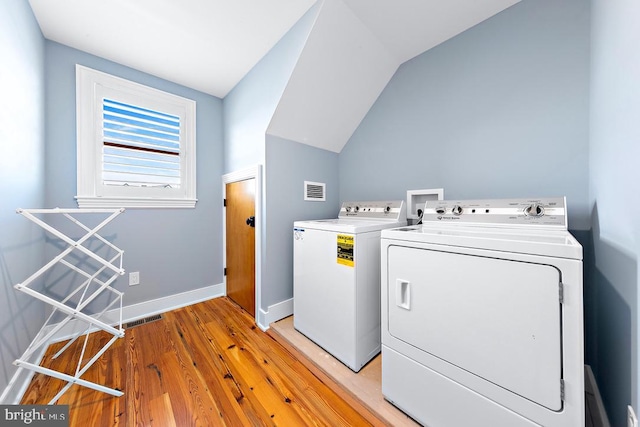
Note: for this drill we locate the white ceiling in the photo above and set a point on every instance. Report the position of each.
(410, 27)
(207, 45)
(353, 50)
(210, 45)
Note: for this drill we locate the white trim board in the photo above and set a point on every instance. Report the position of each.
(274, 313)
(144, 309)
(591, 387)
(8, 396)
(241, 175)
(129, 313)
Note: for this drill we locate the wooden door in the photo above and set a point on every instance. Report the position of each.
(240, 245)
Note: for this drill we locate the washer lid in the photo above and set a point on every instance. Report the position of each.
(555, 243)
(351, 226)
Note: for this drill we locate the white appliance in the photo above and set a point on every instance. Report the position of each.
(482, 315)
(336, 279)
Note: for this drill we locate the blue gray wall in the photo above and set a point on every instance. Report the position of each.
(288, 165)
(22, 175)
(541, 99)
(175, 250)
(499, 111)
(506, 109)
(614, 178)
(248, 109)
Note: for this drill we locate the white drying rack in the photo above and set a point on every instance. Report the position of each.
(106, 272)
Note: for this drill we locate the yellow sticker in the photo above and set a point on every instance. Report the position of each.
(345, 250)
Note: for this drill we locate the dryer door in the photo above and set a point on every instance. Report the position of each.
(497, 319)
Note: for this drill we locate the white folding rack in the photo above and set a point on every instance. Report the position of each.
(102, 273)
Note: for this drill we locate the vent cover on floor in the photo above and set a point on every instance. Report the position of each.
(314, 191)
(142, 321)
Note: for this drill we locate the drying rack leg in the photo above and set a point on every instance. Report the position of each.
(70, 379)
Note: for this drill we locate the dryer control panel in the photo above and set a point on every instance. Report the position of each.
(392, 210)
(547, 212)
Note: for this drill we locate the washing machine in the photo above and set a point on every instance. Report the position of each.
(336, 279)
(482, 315)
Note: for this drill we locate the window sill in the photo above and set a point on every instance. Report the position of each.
(125, 202)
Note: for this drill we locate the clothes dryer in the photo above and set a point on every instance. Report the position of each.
(336, 279)
(482, 315)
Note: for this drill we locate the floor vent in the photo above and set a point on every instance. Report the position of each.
(142, 321)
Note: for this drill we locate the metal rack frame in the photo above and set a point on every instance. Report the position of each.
(111, 268)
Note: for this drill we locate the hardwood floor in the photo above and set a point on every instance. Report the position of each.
(202, 365)
(365, 386)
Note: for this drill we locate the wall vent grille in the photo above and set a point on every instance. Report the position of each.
(315, 191)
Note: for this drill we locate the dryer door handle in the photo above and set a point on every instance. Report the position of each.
(403, 294)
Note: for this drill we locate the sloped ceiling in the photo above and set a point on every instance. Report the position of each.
(354, 48)
(340, 73)
(207, 45)
(410, 27)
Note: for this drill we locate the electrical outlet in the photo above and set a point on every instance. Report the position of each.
(134, 278)
(632, 420)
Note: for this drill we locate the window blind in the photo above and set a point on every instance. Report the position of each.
(141, 147)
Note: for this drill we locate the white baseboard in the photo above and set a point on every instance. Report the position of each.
(143, 309)
(13, 392)
(274, 313)
(20, 381)
(591, 386)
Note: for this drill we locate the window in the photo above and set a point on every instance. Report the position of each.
(136, 145)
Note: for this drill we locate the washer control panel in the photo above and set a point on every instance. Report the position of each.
(549, 212)
(393, 210)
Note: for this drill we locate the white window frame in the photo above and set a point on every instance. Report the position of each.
(91, 87)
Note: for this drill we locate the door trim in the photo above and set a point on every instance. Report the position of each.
(248, 173)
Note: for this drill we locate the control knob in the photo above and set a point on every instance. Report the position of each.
(456, 210)
(356, 209)
(387, 209)
(535, 209)
(348, 208)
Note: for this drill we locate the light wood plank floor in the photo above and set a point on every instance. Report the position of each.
(365, 386)
(202, 365)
